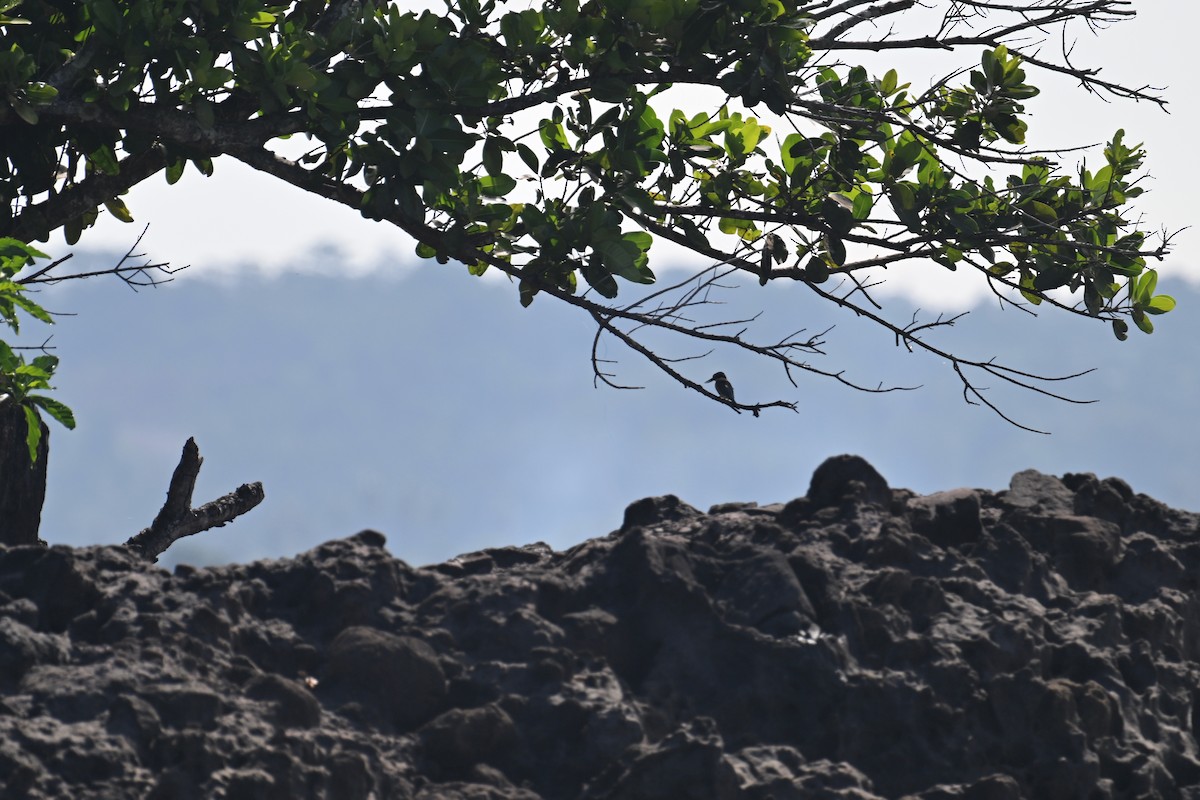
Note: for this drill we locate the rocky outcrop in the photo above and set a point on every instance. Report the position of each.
(859, 642)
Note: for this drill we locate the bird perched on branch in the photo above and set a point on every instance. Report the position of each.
(724, 387)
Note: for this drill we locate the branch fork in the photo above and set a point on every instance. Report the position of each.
(178, 519)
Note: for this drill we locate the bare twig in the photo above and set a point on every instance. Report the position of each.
(133, 275)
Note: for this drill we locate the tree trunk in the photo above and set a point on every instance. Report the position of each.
(22, 484)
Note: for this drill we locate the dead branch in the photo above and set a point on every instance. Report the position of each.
(178, 519)
(133, 275)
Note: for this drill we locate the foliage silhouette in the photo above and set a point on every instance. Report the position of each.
(539, 142)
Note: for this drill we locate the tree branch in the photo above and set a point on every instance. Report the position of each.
(178, 519)
(133, 276)
(873, 12)
(35, 222)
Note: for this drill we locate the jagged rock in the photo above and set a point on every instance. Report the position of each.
(22, 647)
(844, 478)
(653, 510)
(947, 519)
(1039, 493)
(859, 642)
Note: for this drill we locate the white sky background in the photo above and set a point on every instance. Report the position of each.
(239, 219)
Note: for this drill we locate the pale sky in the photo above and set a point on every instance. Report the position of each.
(237, 217)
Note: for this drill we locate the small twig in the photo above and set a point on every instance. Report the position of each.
(33, 278)
(133, 276)
(43, 347)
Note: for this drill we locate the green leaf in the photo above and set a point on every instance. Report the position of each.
(800, 151)
(528, 157)
(600, 278)
(964, 223)
(642, 239)
(73, 229)
(1042, 211)
(47, 363)
(1011, 128)
(991, 61)
(117, 208)
(626, 256)
(904, 157)
(1027, 287)
(493, 157)
(527, 291)
(1052, 277)
(33, 432)
(23, 109)
(1145, 286)
(8, 359)
(175, 170)
(888, 84)
(496, 185)
(744, 228)
(816, 270)
(35, 375)
(54, 408)
(103, 159)
(40, 94)
(1021, 92)
(903, 197)
(19, 252)
(33, 309)
(1120, 329)
(1160, 304)
(553, 136)
(835, 248)
(862, 205)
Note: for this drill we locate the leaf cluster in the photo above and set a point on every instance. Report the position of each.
(537, 141)
(20, 380)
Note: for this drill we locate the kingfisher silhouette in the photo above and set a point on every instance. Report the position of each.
(724, 387)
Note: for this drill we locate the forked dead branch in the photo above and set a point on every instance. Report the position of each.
(178, 519)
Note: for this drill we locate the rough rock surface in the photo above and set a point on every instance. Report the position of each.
(859, 642)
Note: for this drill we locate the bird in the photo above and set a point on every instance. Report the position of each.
(724, 387)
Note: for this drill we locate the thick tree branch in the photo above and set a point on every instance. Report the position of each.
(171, 124)
(35, 222)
